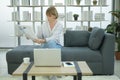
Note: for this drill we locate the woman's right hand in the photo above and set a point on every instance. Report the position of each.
(39, 41)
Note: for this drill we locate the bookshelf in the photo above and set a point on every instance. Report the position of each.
(32, 12)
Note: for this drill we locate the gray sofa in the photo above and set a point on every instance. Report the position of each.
(96, 48)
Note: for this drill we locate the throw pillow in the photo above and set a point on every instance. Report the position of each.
(96, 38)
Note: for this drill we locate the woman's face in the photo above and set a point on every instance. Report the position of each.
(51, 17)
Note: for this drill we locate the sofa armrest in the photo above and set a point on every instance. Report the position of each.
(107, 50)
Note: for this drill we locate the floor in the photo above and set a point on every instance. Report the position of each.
(117, 68)
(3, 64)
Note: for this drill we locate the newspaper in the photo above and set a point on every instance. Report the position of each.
(27, 31)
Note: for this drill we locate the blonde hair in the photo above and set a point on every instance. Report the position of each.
(52, 11)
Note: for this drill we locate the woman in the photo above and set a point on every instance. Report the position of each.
(50, 33)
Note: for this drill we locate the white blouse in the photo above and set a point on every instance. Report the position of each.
(45, 32)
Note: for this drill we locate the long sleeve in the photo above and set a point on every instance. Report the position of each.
(56, 33)
(39, 32)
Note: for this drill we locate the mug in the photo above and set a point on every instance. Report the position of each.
(26, 60)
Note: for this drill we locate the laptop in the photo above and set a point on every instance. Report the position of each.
(47, 57)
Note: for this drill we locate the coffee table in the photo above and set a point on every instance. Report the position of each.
(80, 68)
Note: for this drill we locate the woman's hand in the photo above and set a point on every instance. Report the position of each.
(39, 41)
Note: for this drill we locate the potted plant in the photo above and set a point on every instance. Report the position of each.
(75, 16)
(94, 2)
(78, 2)
(114, 28)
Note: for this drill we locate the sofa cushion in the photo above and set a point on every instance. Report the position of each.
(80, 54)
(96, 38)
(76, 38)
(17, 54)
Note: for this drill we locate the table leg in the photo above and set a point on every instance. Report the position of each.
(79, 74)
(33, 77)
(24, 77)
(79, 78)
(26, 71)
(74, 77)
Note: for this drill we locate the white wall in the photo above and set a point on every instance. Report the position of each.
(7, 27)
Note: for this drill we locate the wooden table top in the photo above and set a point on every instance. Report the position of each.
(39, 71)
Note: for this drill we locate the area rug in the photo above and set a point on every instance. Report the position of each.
(66, 78)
